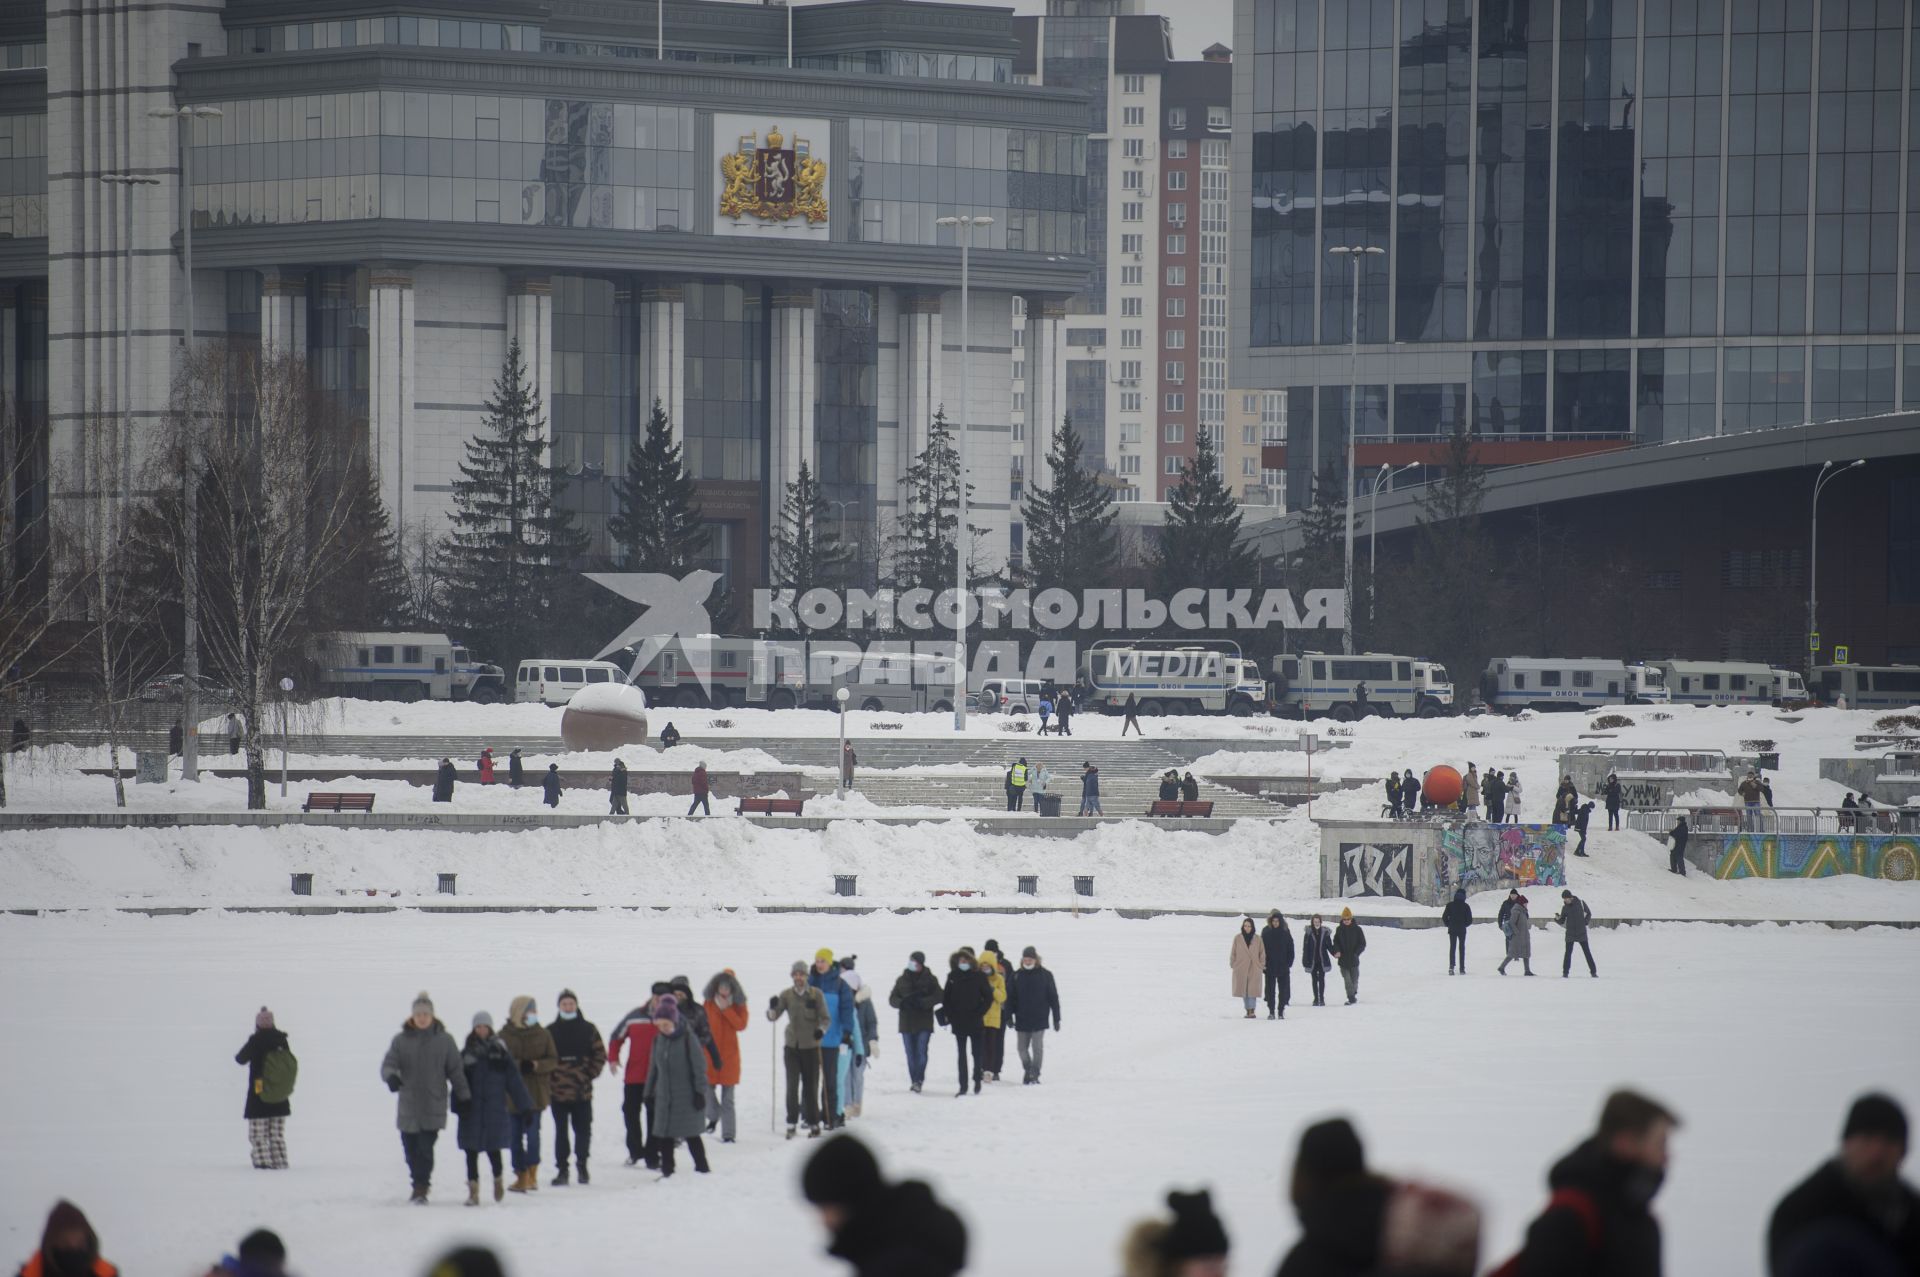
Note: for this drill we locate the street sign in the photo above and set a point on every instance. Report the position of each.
(1841, 654)
(1306, 742)
(1813, 641)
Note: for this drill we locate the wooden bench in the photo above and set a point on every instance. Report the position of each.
(1178, 807)
(773, 806)
(319, 801)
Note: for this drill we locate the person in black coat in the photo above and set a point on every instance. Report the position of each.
(550, 786)
(1316, 956)
(1349, 942)
(1409, 792)
(516, 770)
(1580, 816)
(1611, 792)
(882, 1229)
(916, 992)
(1599, 1220)
(443, 778)
(1574, 916)
(1341, 1205)
(1506, 907)
(1189, 789)
(266, 1119)
(1853, 1215)
(1457, 916)
(1393, 795)
(964, 1004)
(1033, 1003)
(1279, 943)
(1677, 847)
(1170, 788)
(617, 790)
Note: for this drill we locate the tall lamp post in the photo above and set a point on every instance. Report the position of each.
(964, 222)
(840, 698)
(1380, 481)
(190, 499)
(1820, 481)
(1354, 253)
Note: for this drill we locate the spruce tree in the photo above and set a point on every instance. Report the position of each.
(372, 591)
(923, 544)
(508, 559)
(1070, 541)
(1199, 545)
(807, 551)
(658, 528)
(1323, 534)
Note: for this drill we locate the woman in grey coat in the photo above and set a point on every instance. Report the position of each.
(1519, 927)
(676, 1090)
(421, 1063)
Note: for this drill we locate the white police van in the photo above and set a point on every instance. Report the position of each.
(1348, 687)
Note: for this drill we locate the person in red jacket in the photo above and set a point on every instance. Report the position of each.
(68, 1247)
(635, 1034)
(726, 1006)
(699, 790)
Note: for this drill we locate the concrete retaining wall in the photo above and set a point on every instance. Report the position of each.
(1425, 861)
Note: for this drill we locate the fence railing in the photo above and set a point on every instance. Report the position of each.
(1776, 820)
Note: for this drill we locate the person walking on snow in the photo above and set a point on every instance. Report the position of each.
(1316, 957)
(676, 1089)
(443, 779)
(267, 1109)
(1247, 959)
(1132, 708)
(486, 1118)
(486, 766)
(1278, 942)
(840, 1011)
(806, 1010)
(1506, 908)
(993, 1028)
(1677, 846)
(964, 1003)
(696, 1017)
(617, 790)
(1063, 714)
(1393, 795)
(1046, 713)
(1611, 792)
(1519, 929)
(1457, 917)
(634, 1036)
(1089, 790)
(1034, 999)
(536, 1057)
(916, 991)
(1349, 942)
(516, 770)
(421, 1064)
(853, 1084)
(580, 1057)
(700, 791)
(1575, 917)
(550, 786)
(725, 1004)
(1513, 797)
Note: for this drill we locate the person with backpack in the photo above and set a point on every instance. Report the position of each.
(581, 1056)
(485, 766)
(1279, 944)
(536, 1056)
(1316, 956)
(1349, 942)
(1519, 929)
(271, 1070)
(1457, 917)
(1598, 1221)
(1046, 714)
(840, 1012)
(1575, 917)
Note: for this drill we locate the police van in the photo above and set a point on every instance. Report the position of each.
(1868, 686)
(1718, 682)
(1171, 678)
(403, 666)
(1347, 687)
(1515, 683)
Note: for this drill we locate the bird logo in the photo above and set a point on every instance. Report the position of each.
(675, 608)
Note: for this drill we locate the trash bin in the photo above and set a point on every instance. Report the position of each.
(1046, 804)
(150, 767)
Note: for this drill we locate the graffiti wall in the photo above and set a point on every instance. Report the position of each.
(1891, 856)
(1492, 857)
(1376, 869)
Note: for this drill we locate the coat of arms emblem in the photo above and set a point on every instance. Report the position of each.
(774, 182)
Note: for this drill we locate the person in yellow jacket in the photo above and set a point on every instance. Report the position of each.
(993, 1024)
(1017, 777)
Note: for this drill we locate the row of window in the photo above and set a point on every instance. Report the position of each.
(1135, 117)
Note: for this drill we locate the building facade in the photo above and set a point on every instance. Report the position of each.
(726, 209)
(1605, 222)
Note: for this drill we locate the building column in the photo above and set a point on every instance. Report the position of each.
(920, 372)
(530, 322)
(1046, 389)
(283, 312)
(793, 377)
(663, 353)
(390, 359)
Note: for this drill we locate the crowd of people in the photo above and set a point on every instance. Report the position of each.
(1852, 1215)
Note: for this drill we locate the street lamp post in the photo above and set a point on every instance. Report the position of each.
(1354, 253)
(1380, 481)
(840, 696)
(1820, 481)
(190, 498)
(964, 222)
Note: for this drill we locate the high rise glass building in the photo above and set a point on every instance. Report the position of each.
(1605, 221)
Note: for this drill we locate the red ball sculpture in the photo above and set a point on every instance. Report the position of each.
(1441, 786)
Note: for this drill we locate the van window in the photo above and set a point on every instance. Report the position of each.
(383, 656)
(1613, 688)
(571, 674)
(1549, 678)
(1710, 682)
(412, 655)
(1737, 682)
(439, 665)
(597, 676)
(361, 656)
(1403, 670)
(1319, 669)
(1583, 678)
(1290, 668)
(551, 673)
(528, 673)
(1519, 682)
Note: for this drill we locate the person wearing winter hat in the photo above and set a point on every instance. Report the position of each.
(421, 1064)
(805, 1008)
(1339, 1203)
(269, 1091)
(1519, 929)
(261, 1253)
(1349, 942)
(68, 1247)
(993, 1027)
(963, 1006)
(468, 1261)
(1034, 1003)
(876, 1227)
(725, 1005)
(1191, 1244)
(916, 992)
(840, 1012)
(862, 1030)
(581, 1056)
(696, 1017)
(676, 1088)
(1854, 1214)
(635, 1035)
(536, 1057)
(486, 1120)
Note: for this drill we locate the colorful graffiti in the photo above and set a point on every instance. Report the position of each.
(1488, 857)
(1376, 869)
(1891, 856)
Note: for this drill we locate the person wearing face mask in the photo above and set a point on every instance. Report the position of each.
(963, 1007)
(1855, 1214)
(1599, 1220)
(68, 1247)
(581, 1056)
(1247, 959)
(916, 992)
(1191, 1244)
(1036, 1002)
(1316, 957)
(806, 1010)
(536, 1057)
(421, 1064)
(676, 1088)
(725, 1004)
(993, 1024)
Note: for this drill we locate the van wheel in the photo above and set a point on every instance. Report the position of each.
(871, 706)
(782, 699)
(411, 692)
(720, 698)
(942, 707)
(1241, 709)
(1153, 709)
(1341, 713)
(1428, 709)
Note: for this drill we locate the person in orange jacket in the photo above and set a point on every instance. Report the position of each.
(68, 1247)
(725, 1002)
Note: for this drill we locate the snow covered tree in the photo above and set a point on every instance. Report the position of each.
(806, 549)
(1070, 541)
(1199, 545)
(508, 559)
(658, 528)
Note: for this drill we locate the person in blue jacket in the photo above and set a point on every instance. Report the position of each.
(840, 1013)
(493, 1081)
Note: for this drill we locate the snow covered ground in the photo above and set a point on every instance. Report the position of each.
(121, 1092)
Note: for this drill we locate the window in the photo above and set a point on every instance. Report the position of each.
(1176, 308)
(1132, 180)
(1130, 339)
(383, 656)
(1249, 467)
(1177, 179)
(1130, 278)
(1130, 244)
(551, 673)
(1171, 465)
(1134, 148)
(1176, 401)
(1130, 464)
(1086, 336)
(1129, 370)
(571, 674)
(1176, 339)
(1131, 211)
(599, 676)
(1174, 432)
(411, 656)
(1249, 435)
(1130, 308)
(1519, 682)
(1129, 401)
(1217, 117)
(1019, 370)
(1176, 277)
(1549, 678)
(1133, 84)
(1177, 150)
(1177, 213)
(1134, 117)
(1737, 682)
(1710, 682)
(1129, 432)
(1019, 405)
(1583, 678)
(362, 657)
(1176, 117)
(1176, 371)
(1176, 245)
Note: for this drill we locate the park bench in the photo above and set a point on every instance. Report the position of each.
(318, 800)
(773, 806)
(1178, 807)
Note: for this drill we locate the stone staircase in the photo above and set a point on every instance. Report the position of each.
(1123, 792)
